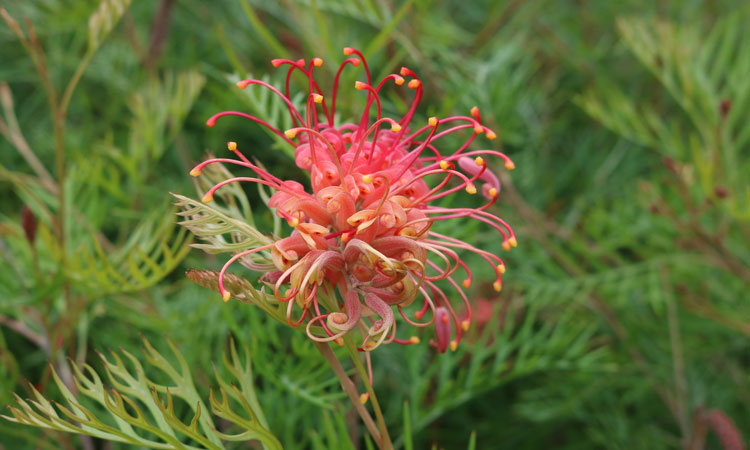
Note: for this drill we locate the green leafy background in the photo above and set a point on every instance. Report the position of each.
(624, 318)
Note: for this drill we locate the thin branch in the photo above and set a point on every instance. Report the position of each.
(351, 390)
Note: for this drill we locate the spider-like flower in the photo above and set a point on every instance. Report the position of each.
(362, 245)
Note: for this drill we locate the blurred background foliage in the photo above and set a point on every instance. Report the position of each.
(624, 319)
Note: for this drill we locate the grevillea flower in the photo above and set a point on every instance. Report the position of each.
(361, 247)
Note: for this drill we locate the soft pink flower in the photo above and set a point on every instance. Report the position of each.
(364, 230)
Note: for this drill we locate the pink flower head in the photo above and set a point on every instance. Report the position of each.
(364, 231)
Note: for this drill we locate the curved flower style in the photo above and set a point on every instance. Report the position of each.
(365, 230)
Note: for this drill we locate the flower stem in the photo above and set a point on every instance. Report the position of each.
(385, 441)
(351, 390)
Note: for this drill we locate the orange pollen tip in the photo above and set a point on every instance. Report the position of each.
(211, 122)
(478, 129)
(509, 165)
(506, 246)
(339, 341)
(364, 397)
(348, 51)
(465, 325)
(367, 178)
(418, 315)
(492, 192)
(276, 62)
(317, 98)
(433, 121)
(491, 135)
(466, 284)
(513, 242)
(479, 161)
(195, 172)
(454, 345)
(355, 62)
(291, 133)
(475, 112)
(317, 62)
(445, 319)
(208, 198)
(471, 189)
(226, 296)
(242, 84)
(501, 268)
(358, 85)
(398, 80)
(232, 146)
(497, 286)
(413, 84)
(404, 71)
(444, 165)
(395, 127)
(414, 340)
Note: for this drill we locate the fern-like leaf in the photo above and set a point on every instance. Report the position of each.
(136, 404)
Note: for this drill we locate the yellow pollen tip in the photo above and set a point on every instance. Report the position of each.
(432, 121)
(317, 98)
(395, 127)
(479, 161)
(294, 222)
(208, 198)
(492, 192)
(226, 296)
(466, 284)
(414, 340)
(367, 178)
(232, 146)
(509, 165)
(364, 397)
(513, 242)
(398, 80)
(291, 133)
(358, 85)
(317, 62)
(501, 268)
(195, 172)
(348, 51)
(444, 165)
(465, 325)
(506, 246)
(413, 84)
(454, 345)
(478, 129)
(471, 189)
(497, 286)
(491, 135)
(474, 112)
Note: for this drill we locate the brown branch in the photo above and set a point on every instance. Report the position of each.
(159, 32)
(351, 390)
